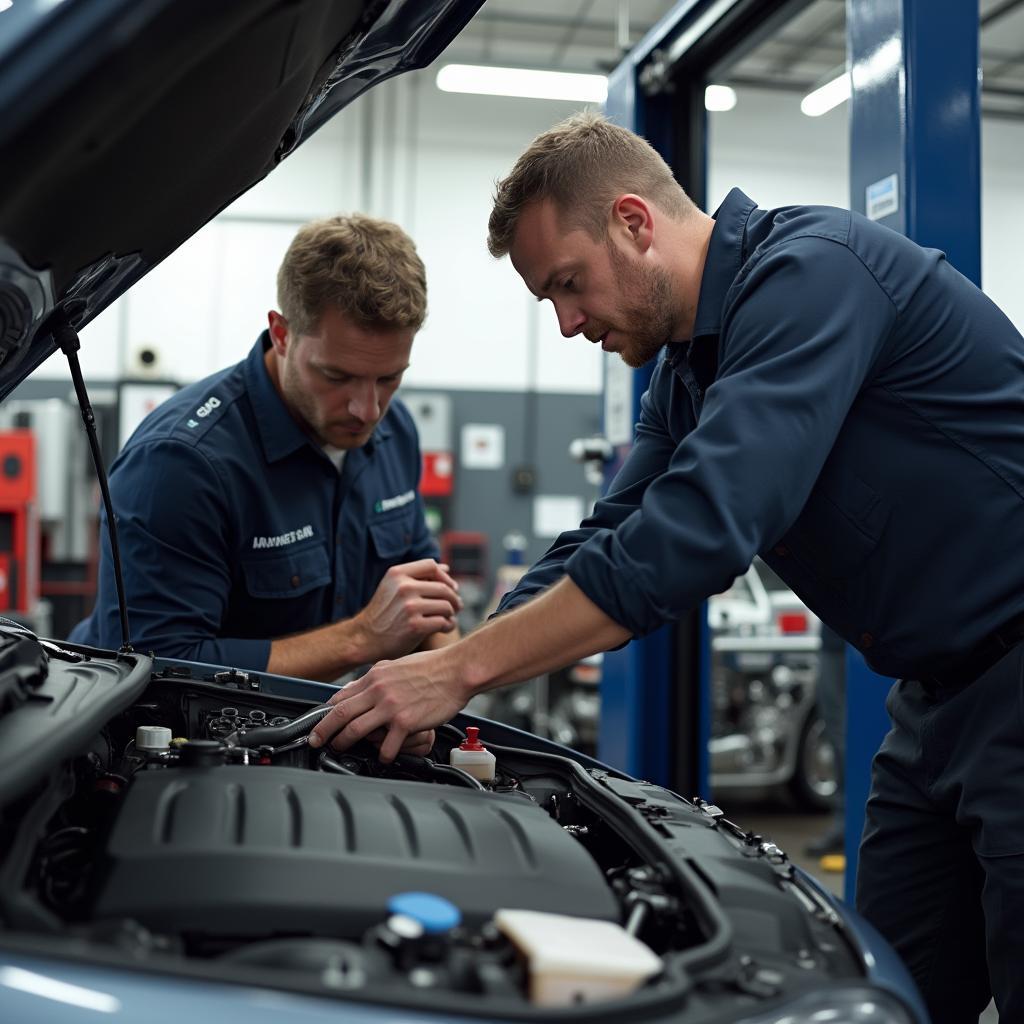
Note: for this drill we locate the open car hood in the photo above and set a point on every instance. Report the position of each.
(126, 125)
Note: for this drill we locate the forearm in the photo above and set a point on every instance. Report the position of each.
(324, 653)
(330, 651)
(555, 629)
(437, 640)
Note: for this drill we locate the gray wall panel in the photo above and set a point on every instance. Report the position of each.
(538, 430)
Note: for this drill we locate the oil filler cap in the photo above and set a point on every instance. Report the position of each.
(201, 754)
(434, 913)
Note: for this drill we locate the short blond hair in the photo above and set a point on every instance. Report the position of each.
(366, 268)
(583, 164)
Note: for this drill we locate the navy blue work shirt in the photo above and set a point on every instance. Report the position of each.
(851, 408)
(236, 528)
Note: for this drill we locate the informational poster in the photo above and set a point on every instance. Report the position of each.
(137, 399)
(483, 446)
(618, 400)
(555, 513)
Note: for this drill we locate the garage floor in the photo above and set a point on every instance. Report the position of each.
(791, 831)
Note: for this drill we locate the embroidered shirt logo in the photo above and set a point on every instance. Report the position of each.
(283, 539)
(386, 504)
(213, 402)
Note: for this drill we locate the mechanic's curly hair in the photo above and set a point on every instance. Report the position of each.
(364, 267)
(584, 164)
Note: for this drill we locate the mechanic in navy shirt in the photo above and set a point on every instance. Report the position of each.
(843, 402)
(269, 516)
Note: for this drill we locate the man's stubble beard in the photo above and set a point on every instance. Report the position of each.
(649, 318)
(299, 402)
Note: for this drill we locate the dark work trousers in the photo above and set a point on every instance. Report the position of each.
(941, 871)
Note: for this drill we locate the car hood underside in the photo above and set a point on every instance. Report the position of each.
(126, 126)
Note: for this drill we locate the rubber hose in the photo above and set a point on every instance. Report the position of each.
(278, 735)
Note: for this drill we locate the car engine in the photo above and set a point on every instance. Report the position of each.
(177, 820)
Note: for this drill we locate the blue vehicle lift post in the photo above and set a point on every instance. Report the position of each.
(655, 692)
(915, 151)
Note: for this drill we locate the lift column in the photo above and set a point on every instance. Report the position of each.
(655, 691)
(915, 166)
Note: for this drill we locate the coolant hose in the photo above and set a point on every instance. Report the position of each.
(278, 735)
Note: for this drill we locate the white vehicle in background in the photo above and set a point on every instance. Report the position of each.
(760, 604)
(766, 730)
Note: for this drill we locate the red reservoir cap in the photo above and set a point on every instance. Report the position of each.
(472, 740)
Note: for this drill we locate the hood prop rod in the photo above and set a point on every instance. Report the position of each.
(67, 338)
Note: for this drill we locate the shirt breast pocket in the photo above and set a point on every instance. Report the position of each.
(392, 538)
(840, 526)
(291, 574)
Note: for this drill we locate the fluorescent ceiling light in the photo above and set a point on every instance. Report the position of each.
(538, 85)
(6, 5)
(827, 96)
(719, 97)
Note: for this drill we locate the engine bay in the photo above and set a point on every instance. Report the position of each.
(196, 832)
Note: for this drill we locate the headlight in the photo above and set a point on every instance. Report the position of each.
(838, 1006)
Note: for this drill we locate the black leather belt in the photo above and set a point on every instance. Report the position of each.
(981, 659)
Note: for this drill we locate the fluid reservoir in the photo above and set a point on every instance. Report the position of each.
(154, 739)
(473, 757)
(573, 960)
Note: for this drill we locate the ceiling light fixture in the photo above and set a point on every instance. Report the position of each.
(522, 82)
(827, 97)
(719, 98)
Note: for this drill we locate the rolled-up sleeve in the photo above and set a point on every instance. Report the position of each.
(801, 333)
(172, 517)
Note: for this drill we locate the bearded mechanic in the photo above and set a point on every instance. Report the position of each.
(269, 516)
(843, 402)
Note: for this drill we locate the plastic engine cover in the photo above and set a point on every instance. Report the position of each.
(242, 851)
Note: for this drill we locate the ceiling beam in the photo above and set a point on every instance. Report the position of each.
(571, 32)
(999, 11)
(838, 20)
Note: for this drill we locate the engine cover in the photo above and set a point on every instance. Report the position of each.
(243, 851)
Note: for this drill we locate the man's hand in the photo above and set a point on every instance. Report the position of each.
(425, 689)
(412, 602)
(398, 700)
(419, 744)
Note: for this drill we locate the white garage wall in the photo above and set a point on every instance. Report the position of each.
(408, 152)
(778, 156)
(428, 160)
(1002, 215)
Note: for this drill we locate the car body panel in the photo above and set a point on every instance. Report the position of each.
(61, 993)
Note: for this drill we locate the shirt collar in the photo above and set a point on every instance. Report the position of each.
(724, 259)
(280, 435)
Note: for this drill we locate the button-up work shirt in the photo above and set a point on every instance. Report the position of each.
(235, 527)
(851, 408)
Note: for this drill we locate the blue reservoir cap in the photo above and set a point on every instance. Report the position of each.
(435, 913)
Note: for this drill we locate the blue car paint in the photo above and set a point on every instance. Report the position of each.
(884, 968)
(107, 994)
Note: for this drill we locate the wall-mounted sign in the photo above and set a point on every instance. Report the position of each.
(555, 513)
(882, 197)
(483, 446)
(618, 400)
